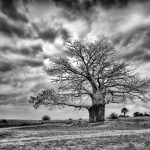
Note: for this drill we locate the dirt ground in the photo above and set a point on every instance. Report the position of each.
(124, 134)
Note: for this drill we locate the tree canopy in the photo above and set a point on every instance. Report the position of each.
(89, 73)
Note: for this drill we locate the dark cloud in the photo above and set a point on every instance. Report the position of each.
(140, 55)
(65, 34)
(117, 3)
(48, 34)
(31, 51)
(88, 5)
(7, 96)
(11, 29)
(139, 30)
(9, 7)
(31, 62)
(136, 42)
(5, 66)
(6, 49)
(133, 55)
(84, 5)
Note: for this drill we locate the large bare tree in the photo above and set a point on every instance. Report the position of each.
(89, 75)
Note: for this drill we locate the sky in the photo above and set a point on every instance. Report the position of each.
(33, 30)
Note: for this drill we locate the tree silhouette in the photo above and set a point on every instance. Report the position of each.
(88, 75)
(124, 111)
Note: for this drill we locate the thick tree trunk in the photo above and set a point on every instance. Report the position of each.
(97, 113)
(91, 115)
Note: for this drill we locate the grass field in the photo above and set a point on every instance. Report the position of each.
(15, 123)
(122, 134)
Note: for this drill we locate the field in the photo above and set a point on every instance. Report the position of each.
(121, 134)
(16, 123)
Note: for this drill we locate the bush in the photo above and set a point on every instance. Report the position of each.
(113, 116)
(145, 114)
(24, 124)
(46, 118)
(4, 121)
(137, 114)
(70, 121)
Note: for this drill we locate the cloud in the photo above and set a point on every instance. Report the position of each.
(5, 66)
(17, 56)
(17, 86)
(34, 30)
(47, 33)
(10, 8)
(9, 28)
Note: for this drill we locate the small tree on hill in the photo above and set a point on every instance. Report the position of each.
(46, 118)
(88, 75)
(124, 111)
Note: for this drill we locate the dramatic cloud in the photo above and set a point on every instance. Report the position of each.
(10, 8)
(4, 66)
(31, 31)
(9, 28)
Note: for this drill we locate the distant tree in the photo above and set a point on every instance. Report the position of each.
(46, 118)
(113, 116)
(89, 75)
(3, 121)
(124, 111)
(146, 114)
(137, 114)
(141, 114)
(70, 120)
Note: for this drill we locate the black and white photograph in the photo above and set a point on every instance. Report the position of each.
(74, 74)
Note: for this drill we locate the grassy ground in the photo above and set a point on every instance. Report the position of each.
(15, 123)
(122, 134)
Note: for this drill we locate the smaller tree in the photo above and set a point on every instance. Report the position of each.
(113, 116)
(46, 118)
(138, 114)
(124, 111)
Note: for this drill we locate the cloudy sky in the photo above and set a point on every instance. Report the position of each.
(33, 30)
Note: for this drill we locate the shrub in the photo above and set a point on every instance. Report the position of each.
(70, 119)
(4, 121)
(145, 114)
(46, 118)
(124, 111)
(137, 114)
(24, 124)
(113, 116)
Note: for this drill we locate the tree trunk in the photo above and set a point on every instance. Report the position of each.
(91, 115)
(124, 114)
(97, 113)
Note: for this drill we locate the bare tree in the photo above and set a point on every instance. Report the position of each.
(88, 75)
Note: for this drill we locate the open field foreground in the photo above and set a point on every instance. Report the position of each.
(124, 134)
